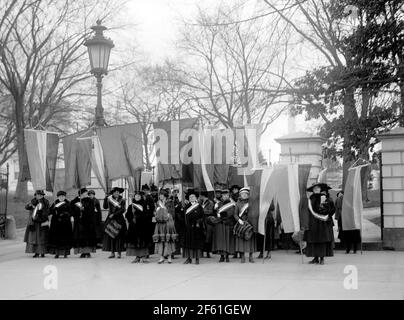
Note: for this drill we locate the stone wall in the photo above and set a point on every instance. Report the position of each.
(302, 147)
(393, 188)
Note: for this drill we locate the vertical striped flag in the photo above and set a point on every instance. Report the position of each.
(42, 149)
(352, 205)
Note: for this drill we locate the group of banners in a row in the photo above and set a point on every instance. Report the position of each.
(184, 153)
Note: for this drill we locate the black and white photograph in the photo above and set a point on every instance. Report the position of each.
(165, 151)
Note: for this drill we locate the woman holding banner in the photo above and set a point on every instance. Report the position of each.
(115, 224)
(245, 237)
(320, 235)
(37, 232)
(84, 230)
(60, 233)
(138, 238)
(165, 234)
(223, 238)
(194, 236)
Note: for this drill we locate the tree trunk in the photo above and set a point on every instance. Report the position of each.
(349, 105)
(401, 84)
(21, 192)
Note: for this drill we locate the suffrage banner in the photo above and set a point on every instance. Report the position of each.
(77, 161)
(42, 149)
(122, 147)
(352, 205)
(173, 149)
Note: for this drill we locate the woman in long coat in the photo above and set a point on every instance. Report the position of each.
(165, 235)
(223, 239)
(84, 229)
(241, 215)
(320, 235)
(138, 238)
(61, 232)
(194, 237)
(115, 204)
(37, 231)
(98, 216)
(207, 206)
(349, 238)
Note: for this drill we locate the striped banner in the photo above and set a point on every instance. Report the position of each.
(42, 149)
(352, 205)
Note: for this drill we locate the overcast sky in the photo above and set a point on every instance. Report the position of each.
(157, 24)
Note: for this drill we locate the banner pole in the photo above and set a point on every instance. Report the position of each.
(265, 240)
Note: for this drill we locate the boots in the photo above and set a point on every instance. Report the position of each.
(251, 258)
(221, 258)
(314, 261)
(36, 255)
(322, 260)
(227, 258)
(242, 258)
(112, 255)
(197, 261)
(188, 261)
(56, 256)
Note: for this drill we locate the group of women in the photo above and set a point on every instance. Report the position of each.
(167, 226)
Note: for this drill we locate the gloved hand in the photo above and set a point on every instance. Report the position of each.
(240, 221)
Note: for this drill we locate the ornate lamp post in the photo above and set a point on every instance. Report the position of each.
(99, 49)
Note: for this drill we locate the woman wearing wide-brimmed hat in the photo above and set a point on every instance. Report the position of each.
(60, 232)
(243, 216)
(223, 238)
(98, 216)
(37, 231)
(84, 229)
(320, 235)
(165, 235)
(115, 224)
(138, 238)
(194, 235)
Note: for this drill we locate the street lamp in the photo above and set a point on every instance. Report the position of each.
(99, 49)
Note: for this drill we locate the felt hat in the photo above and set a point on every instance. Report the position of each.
(191, 191)
(82, 190)
(120, 190)
(145, 187)
(61, 193)
(235, 186)
(91, 192)
(39, 192)
(323, 186)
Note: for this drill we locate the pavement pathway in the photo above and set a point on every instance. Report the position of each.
(380, 276)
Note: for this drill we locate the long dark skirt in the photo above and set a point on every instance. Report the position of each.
(113, 245)
(37, 239)
(60, 237)
(192, 253)
(223, 239)
(136, 251)
(242, 245)
(319, 249)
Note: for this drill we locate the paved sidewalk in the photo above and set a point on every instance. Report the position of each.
(380, 274)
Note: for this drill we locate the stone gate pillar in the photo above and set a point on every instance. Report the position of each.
(302, 147)
(392, 175)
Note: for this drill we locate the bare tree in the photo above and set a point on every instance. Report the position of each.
(148, 98)
(43, 64)
(235, 72)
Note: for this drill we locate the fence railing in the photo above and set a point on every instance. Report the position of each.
(4, 179)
